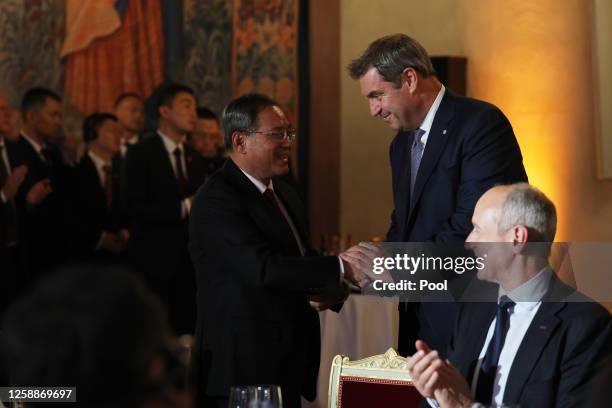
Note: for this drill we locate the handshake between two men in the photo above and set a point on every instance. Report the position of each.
(357, 263)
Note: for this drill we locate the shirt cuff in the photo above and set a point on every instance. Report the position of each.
(99, 244)
(341, 269)
(433, 403)
(186, 207)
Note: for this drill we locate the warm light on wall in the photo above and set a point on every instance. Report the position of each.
(532, 60)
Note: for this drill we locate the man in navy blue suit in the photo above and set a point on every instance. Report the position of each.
(448, 151)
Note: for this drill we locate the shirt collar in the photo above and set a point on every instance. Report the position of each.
(132, 141)
(260, 186)
(531, 292)
(98, 161)
(2, 144)
(34, 144)
(169, 143)
(431, 114)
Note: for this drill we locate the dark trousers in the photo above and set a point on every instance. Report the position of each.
(11, 279)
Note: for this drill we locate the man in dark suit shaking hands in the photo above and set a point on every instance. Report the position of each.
(448, 151)
(539, 342)
(259, 283)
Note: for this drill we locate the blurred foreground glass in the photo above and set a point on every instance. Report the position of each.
(256, 396)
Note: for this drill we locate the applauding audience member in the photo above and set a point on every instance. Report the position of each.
(540, 343)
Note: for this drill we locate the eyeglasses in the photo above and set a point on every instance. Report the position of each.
(279, 135)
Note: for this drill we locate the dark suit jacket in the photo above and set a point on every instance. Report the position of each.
(558, 358)
(7, 209)
(43, 226)
(92, 216)
(152, 203)
(470, 148)
(254, 323)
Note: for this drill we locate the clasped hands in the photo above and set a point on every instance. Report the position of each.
(358, 264)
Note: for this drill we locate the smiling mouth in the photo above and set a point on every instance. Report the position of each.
(284, 157)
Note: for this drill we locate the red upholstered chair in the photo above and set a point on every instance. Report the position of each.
(377, 381)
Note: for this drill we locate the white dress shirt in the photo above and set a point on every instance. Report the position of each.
(123, 149)
(429, 118)
(527, 298)
(4, 161)
(170, 147)
(262, 188)
(99, 164)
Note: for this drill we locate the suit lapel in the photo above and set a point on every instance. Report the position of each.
(438, 135)
(165, 165)
(292, 208)
(537, 336)
(91, 173)
(403, 182)
(479, 317)
(263, 214)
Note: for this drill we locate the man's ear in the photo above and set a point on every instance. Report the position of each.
(520, 236)
(410, 79)
(164, 111)
(239, 142)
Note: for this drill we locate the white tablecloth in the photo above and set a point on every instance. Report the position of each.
(365, 326)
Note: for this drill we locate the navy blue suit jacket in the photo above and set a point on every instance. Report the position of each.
(566, 344)
(470, 148)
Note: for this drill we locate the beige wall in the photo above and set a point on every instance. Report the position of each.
(365, 177)
(532, 59)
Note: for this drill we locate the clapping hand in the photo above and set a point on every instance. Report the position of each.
(13, 181)
(438, 379)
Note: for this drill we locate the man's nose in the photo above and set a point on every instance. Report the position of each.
(374, 107)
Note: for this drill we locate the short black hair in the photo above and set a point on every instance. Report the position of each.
(36, 98)
(126, 95)
(240, 115)
(93, 123)
(169, 92)
(205, 113)
(91, 327)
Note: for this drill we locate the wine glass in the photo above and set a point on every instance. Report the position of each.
(255, 396)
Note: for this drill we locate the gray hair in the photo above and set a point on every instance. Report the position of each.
(391, 55)
(526, 205)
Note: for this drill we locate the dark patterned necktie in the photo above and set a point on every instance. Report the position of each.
(180, 173)
(416, 153)
(9, 229)
(488, 368)
(46, 153)
(273, 200)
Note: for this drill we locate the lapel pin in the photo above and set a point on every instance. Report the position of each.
(444, 132)
(543, 327)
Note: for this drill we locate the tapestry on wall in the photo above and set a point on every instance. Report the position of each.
(90, 52)
(264, 53)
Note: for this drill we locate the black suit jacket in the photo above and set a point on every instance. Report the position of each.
(254, 323)
(152, 203)
(7, 209)
(558, 358)
(43, 227)
(92, 215)
(470, 148)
